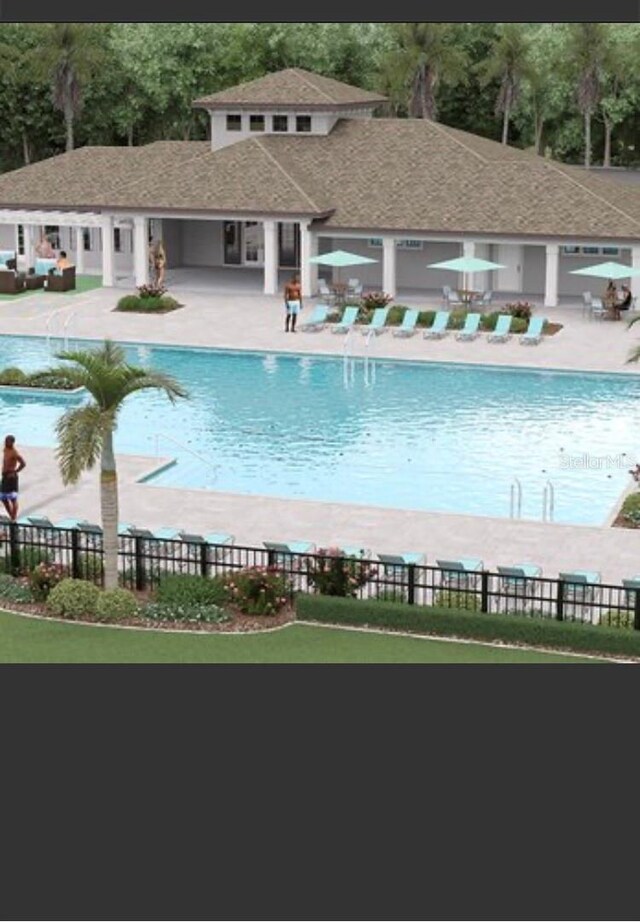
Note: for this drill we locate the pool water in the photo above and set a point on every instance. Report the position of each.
(439, 437)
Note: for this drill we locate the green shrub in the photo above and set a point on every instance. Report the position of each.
(14, 590)
(258, 590)
(128, 303)
(44, 577)
(391, 594)
(395, 315)
(116, 604)
(73, 598)
(488, 321)
(519, 326)
(28, 558)
(449, 622)
(190, 611)
(454, 598)
(426, 318)
(13, 377)
(457, 319)
(630, 511)
(91, 567)
(49, 380)
(618, 618)
(147, 304)
(183, 589)
(333, 574)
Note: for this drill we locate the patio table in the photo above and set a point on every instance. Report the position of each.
(468, 297)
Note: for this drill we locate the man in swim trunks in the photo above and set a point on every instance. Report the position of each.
(12, 464)
(292, 303)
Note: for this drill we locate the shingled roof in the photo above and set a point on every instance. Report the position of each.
(291, 89)
(396, 175)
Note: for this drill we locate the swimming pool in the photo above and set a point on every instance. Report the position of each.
(439, 437)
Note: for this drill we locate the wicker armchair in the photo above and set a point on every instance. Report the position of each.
(10, 283)
(64, 282)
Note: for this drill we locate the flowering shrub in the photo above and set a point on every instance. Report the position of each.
(203, 612)
(375, 299)
(258, 590)
(520, 309)
(333, 574)
(151, 291)
(73, 598)
(114, 604)
(44, 577)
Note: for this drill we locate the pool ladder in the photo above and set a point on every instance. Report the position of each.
(548, 500)
(349, 359)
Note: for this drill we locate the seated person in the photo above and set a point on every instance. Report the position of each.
(62, 262)
(12, 264)
(627, 298)
(610, 294)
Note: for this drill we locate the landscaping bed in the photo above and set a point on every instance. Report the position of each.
(629, 514)
(150, 299)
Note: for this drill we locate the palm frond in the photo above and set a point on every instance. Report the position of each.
(80, 433)
(156, 379)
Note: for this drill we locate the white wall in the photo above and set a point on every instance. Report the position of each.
(202, 243)
(172, 233)
(7, 236)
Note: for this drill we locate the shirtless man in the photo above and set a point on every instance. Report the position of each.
(292, 303)
(12, 464)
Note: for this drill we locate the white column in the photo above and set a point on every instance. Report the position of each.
(313, 267)
(551, 275)
(270, 257)
(307, 274)
(79, 250)
(389, 266)
(469, 252)
(29, 245)
(635, 280)
(141, 250)
(108, 263)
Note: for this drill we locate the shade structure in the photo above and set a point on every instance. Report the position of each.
(610, 270)
(466, 264)
(339, 258)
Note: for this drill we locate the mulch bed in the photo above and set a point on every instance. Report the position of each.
(622, 522)
(239, 623)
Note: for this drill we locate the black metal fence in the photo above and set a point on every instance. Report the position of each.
(143, 559)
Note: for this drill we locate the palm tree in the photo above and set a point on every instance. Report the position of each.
(508, 62)
(67, 58)
(425, 55)
(588, 53)
(85, 433)
(634, 356)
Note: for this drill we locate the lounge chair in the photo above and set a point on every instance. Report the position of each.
(377, 324)
(354, 287)
(486, 299)
(519, 577)
(395, 565)
(348, 319)
(40, 521)
(632, 587)
(438, 328)
(533, 334)
(461, 573)
(501, 333)
(290, 547)
(408, 325)
(81, 525)
(317, 319)
(471, 327)
(580, 585)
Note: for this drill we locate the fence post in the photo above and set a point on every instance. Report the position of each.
(271, 559)
(204, 559)
(636, 610)
(14, 548)
(75, 553)
(141, 577)
(411, 584)
(484, 592)
(560, 601)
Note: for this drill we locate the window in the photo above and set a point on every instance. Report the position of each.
(376, 243)
(256, 123)
(53, 233)
(590, 251)
(86, 238)
(117, 240)
(303, 123)
(20, 240)
(234, 123)
(280, 122)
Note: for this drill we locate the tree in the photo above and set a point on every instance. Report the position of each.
(425, 54)
(85, 433)
(508, 62)
(588, 53)
(69, 55)
(620, 84)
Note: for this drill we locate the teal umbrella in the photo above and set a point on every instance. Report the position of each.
(339, 258)
(609, 270)
(467, 265)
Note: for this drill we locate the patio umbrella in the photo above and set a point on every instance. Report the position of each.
(609, 270)
(338, 258)
(467, 265)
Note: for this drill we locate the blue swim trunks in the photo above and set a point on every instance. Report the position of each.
(293, 307)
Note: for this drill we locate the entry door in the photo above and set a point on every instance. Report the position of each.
(253, 244)
(510, 278)
(289, 245)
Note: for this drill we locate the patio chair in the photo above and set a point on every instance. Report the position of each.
(317, 320)
(449, 296)
(325, 292)
(486, 299)
(6, 255)
(377, 323)
(471, 327)
(408, 325)
(519, 578)
(594, 307)
(533, 335)
(354, 287)
(395, 565)
(348, 319)
(65, 281)
(438, 328)
(501, 333)
(10, 283)
(580, 585)
(461, 573)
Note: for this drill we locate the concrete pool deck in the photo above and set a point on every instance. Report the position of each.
(253, 321)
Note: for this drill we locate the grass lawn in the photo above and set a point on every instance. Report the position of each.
(25, 640)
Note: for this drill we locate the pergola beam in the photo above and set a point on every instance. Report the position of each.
(56, 218)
